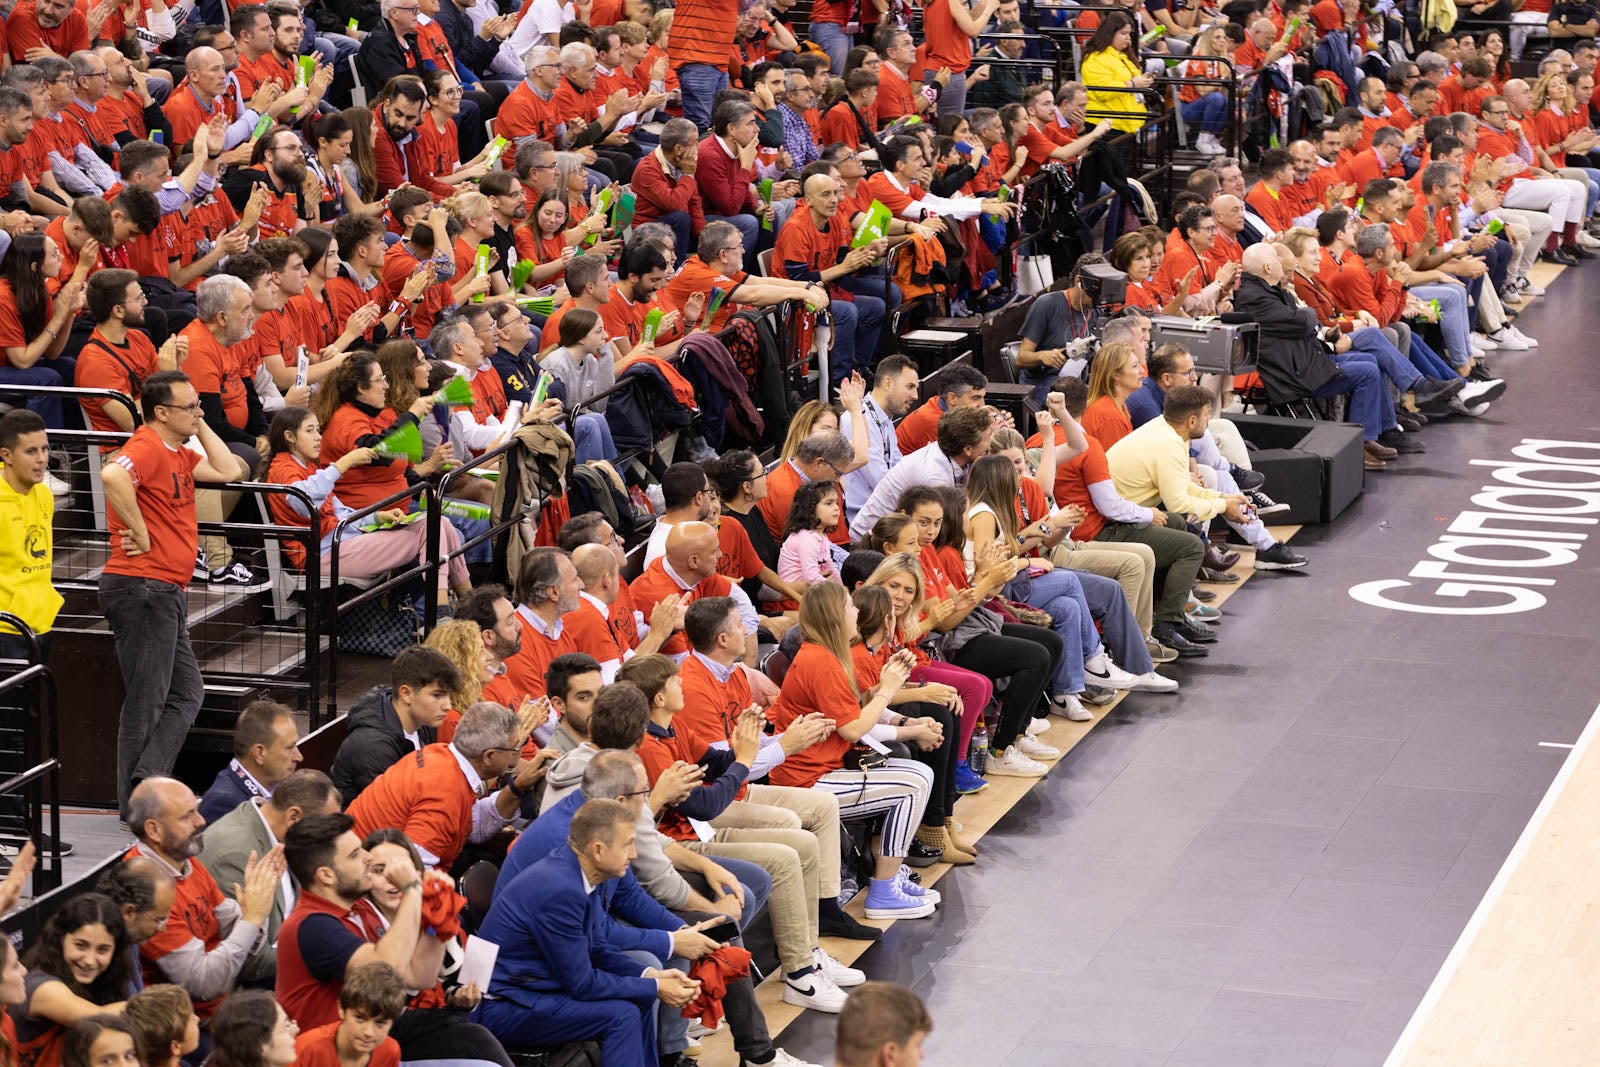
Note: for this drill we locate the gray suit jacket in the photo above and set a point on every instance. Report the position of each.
(228, 844)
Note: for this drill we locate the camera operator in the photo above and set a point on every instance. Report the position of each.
(1061, 330)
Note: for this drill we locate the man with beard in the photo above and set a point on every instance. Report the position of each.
(642, 272)
(490, 607)
(227, 315)
(294, 196)
(119, 354)
(56, 25)
(208, 937)
(399, 109)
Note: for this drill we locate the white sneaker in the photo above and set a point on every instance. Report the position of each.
(1103, 672)
(1511, 295)
(1531, 342)
(1510, 342)
(1069, 705)
(57, 487)
(781, 1058)
(837, 973)
(815, 991)
(1032, 746)
(1012, 764)
(1037, 727)
(1528, 288)
(1207, 144)
(1587, 240)
(1483, 343)
(1151, 682)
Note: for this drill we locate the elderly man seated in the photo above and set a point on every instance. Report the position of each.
(1294, 360)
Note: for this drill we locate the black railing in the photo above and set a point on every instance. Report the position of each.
(32, 691)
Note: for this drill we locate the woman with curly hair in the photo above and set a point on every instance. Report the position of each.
(82, 966)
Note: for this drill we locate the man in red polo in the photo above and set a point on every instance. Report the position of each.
(688, 568)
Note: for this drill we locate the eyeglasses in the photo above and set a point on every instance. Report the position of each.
(413, 10)
(379, 380)
(635, 793)
(194, 409)
(451, 93)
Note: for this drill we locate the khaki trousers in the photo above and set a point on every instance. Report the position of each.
(1128, 563)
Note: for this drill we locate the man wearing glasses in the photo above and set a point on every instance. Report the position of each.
(446, 797)
(155, 540)
(528, 113)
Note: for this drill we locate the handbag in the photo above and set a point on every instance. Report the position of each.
(385, 625)
(1035, 275)
(859, 757)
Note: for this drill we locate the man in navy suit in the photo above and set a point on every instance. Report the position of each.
(563, 973)
(265, 752)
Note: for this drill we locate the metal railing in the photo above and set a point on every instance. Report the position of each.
(34, 689)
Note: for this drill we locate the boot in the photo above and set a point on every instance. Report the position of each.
(957, 842)
(935, 837)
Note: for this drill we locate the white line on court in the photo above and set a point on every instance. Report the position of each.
(1469, 933)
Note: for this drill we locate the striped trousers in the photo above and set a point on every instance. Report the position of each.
(898, 791)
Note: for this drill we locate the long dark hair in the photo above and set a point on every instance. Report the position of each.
(24, 270)
(360, 120)
(532, 222)
(803, 509)
(342, 385)
(953, 499)
(1106, 32)
(49, 956)
(81, 1036)
(285, 422)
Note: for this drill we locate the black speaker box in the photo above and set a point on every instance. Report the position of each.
(1314, 467)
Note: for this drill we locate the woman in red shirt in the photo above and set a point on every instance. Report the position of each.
(350, 409)
(542, 240)
(1131, 254)
(1114, 376)
(822, 678)
(295, 440)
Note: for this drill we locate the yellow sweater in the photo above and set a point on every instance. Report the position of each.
(25, 557)
(1111, 67)
(1150, 467)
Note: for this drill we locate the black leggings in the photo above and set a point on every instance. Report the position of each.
(941, 760)
(1024, 655)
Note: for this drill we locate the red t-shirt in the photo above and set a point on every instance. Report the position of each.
(315, 1048)
(697, 277)
(316, 324)
(361, 487)
(424, 794)
(702, 32)
(193, 918)
(655, 585)
(710, 707)
(739, 560)
(12, 335)
(947, 45)
(525, 670)
(163, 479)
(1106, 422)
(815, 682)
(103, 365)
(398, 266)
(214, 369)
(920, 427)
(24, 32)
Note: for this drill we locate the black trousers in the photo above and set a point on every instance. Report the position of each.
(442, 1034)
(1026, 656)
(942, 760)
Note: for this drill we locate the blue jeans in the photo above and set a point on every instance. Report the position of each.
(1427, 360)
(1060, 593)
(591, 438)
(1210, 112)
(1395, 367)
(856, 326)
(1365, 386)
(1452, 318)
(1385, 399)
(1118, 627)
(47, 408)
(831, 38)
(700, 82)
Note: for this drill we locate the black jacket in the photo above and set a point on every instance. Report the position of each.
(384, 56)
(1294, 362)
(373, 742)
(471, 51)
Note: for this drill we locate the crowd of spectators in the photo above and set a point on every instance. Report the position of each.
(609, 767)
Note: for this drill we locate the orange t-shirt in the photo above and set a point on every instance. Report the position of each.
(655, 585)
(398, 266)
(316, 324)
(1106, 422)
(163, 479)
(214, 369)
(12, 335)
(702, 32)
(947, 45)
(710, 707)
(315, 1048)
(697, 277)
(525, 670)
(426, 795)
(815, 682)
(103, 365)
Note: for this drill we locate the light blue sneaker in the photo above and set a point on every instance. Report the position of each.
(886, 900)
(916, 889)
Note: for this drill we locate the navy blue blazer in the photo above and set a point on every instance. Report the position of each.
(555, 937)
(227, 792)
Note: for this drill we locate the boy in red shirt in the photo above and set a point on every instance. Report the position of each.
(371, 999)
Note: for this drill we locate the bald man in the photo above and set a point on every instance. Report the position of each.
(589, 621)
(814, 247)
(207, 937)
(688, 568)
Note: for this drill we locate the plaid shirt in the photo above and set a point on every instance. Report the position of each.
(797, 137)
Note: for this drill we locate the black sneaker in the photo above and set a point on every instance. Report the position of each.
(202, 567)
(1279, 558)
(1097, 696)
(1401, 442)
(11, 842)
(1247, 479)
(845, 925)
(238, 578)
(1202, 595)
(1167, 633)
(1263, 503)
(1199, 633)
(1435, 390)
(1480, 372)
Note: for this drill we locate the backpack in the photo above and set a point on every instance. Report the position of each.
(590, 489)
(758, 344)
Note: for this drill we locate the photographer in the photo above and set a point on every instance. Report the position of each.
(1060, 326)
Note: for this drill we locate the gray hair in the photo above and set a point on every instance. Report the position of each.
(1386, 135)
(447, 333)
(1371, 239)
(1120, 331)
(793, 79)
(677, 133)
(386, 7)
(717, 238)
(214, 295)
(145, 804)
(830, 446)
(537, 56)
(1436, 174)
(23, 76)
(612, 774)
(568, 164)
(1461, 121)
(486, 725)
(575, 54)
(83, 63)
(1430, 63)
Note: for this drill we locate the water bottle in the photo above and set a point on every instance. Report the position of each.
(978, 754)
